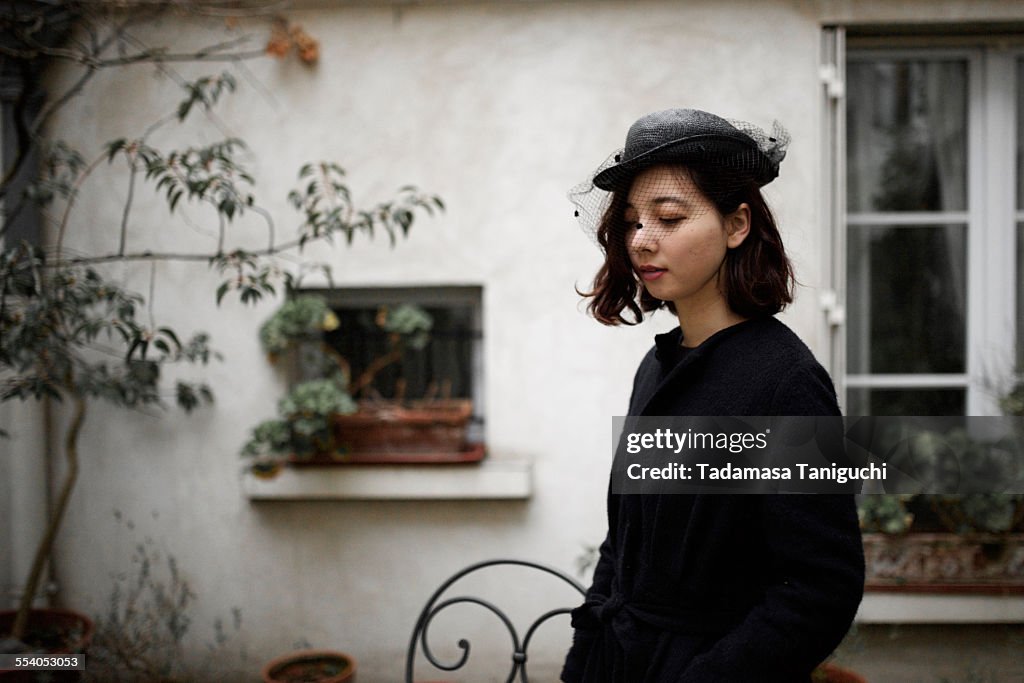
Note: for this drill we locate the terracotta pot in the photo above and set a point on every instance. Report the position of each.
(54, 631)
(419, 427)
(311, 666)
(830, 673)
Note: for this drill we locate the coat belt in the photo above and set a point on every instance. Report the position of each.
(614, 612)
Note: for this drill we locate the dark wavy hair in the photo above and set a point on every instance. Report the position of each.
(757, 279)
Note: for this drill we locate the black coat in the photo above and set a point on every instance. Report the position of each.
(730, 588)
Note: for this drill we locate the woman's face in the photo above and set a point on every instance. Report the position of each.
(676, 238)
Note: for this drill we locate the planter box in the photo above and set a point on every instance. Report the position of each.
(945, 562)
(431, 431)
(468, 454)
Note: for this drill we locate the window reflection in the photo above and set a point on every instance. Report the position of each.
(907, 299)
(907, 136)
(863, 401)
(1020, 207)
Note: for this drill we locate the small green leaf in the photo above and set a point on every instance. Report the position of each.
(114, 147)
(169, 333)
(140, 345)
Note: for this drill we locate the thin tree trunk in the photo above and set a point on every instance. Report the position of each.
(373, 368)
(46, 545)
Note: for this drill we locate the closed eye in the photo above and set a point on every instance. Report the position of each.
(630, 223)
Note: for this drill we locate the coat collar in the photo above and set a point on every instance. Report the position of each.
(667, 353)
(667, 344)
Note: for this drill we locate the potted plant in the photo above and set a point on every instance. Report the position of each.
(53, 318)
(965, 542)
(394, 424)
(49, 631)
(311, 666)
(354, 422)
(305, 430)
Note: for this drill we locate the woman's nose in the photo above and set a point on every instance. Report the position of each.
(641, 238)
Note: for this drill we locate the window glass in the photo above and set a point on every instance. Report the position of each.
(1020, 209)
(439, 367)
(402, 343)
(864, 401)
(1020, 293)
(1020, 136)
(907, 135)
(907, 299)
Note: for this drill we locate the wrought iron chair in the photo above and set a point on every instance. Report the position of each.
(519, 646)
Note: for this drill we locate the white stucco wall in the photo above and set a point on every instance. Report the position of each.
(499, 108)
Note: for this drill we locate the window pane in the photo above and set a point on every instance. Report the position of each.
(907, 135)
(862, 401)
(1020, 138)
(1020, 292)
(441, 368)
(907, 299)
(1020, 207)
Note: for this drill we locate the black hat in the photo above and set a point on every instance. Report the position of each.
(694, 136)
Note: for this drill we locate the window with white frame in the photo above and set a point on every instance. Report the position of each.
(934, 229)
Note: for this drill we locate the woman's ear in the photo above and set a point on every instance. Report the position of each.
(737, 225)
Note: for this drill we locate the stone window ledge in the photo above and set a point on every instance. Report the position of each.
(918, 608)
(495, 479)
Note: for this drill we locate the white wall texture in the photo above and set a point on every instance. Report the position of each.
(499, 107)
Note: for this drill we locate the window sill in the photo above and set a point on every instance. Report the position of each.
(489, 480)
(918, 608)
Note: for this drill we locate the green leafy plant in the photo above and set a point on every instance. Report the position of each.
(305, 424)
(887, 513)
(305, 427)
(939, 461)
(71, 335)
(302, 318)
(1012, 402)
(70, 331)
(408, 326)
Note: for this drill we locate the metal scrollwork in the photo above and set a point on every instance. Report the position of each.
(519, 647)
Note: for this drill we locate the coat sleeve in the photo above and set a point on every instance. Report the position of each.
(584, 632)
(815, 564)
(604, 571)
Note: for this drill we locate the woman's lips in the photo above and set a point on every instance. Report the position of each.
(649, 273)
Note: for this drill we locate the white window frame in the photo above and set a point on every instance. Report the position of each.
(990, 219)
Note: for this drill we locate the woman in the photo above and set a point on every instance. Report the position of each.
(703, 588)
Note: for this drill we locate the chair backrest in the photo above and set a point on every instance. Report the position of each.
(439, 602)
